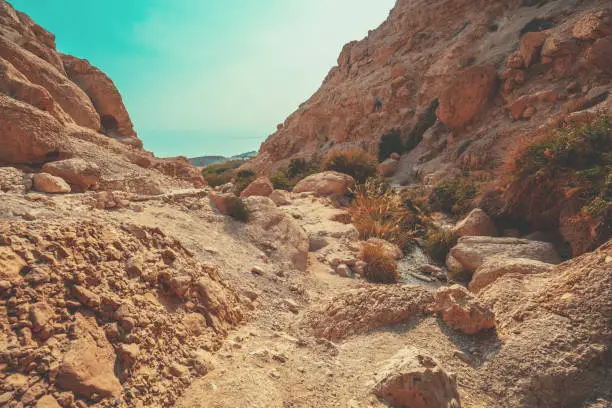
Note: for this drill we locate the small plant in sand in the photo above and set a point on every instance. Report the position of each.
(380, 268)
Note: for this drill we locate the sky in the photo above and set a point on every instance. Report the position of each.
(208, 77)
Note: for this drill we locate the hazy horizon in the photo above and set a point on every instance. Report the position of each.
(202, 78)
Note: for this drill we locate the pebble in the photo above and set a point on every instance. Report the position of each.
(256, 270)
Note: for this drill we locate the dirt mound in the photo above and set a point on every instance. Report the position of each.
(92, 310)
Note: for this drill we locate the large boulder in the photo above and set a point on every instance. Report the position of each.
(114, 118)
(88, 366)
(77, 172)
(467, 95)
(472, 252)
(477, 223)
(46, 183)
(325, 184)
(461, 311)
(414, 379)
(281, 197)
(495, 268)
(260, 187)
(277, 231)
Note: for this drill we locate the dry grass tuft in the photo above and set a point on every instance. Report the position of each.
(380, 268)
(379, 212)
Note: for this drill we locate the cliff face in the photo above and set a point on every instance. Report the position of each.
(55, 106)
(476, 57)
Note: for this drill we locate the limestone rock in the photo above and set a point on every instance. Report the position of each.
(46, 183)
(281, 197)
(368, 308)
(11, 264)
(325, 184)
(260, 187)
(414, 379)
(269, 224)
(594, 25)
(47, 401)
(466, 96)
(221, 201)
(461, 311)
(77, 172)
(495, 268)
(88, 366)
(472, 252)
(477, 223)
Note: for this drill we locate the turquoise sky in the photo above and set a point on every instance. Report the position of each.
(203, 77)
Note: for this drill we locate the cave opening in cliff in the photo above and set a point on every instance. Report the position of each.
(109, 125)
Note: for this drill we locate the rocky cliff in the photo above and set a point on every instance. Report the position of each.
(493, 71)
(55, 107)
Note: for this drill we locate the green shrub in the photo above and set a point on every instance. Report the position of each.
(390, 143)
(243, 179)
(220, 173)
(454, 195)
(237, 209)
(357, 163)
(438, 243)
(380, 268)
(297, 170)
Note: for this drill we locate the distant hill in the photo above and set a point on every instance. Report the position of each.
(208, 160)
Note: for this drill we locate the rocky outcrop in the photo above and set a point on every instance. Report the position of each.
(114, 118)
(54, 107)
(414, 379)
(474, 59)
(90, 296)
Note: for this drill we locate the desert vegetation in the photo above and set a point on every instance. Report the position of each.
(573, 166)
(221, 173)
(355, 162)
(438, 242)
(380, 268)
(454, 195)
(297, 170)
(379, 212)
